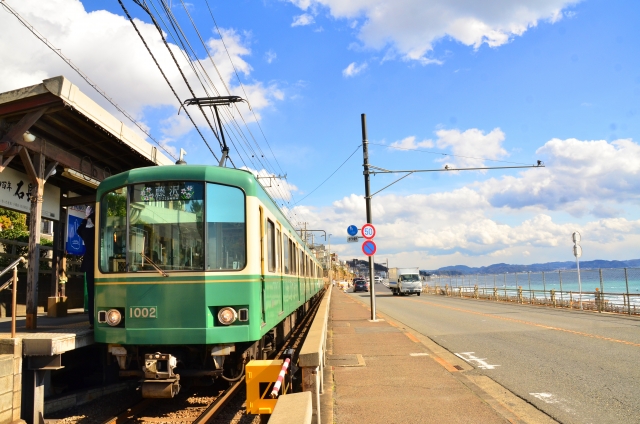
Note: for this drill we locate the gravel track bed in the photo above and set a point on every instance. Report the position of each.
(184, 408)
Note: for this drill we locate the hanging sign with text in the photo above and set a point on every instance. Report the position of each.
(16, 191)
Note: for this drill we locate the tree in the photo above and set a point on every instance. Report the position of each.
(14, 227)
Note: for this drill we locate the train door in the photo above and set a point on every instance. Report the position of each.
(262, 282)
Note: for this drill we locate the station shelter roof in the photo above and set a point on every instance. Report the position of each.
(79, 139)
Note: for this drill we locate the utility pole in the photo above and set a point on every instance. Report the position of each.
(367, 196)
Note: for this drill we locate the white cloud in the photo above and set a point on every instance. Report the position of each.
(471, 147)
(353, 69)
(278, 188)
(413, 26)
(510, 219)
(302, 20)
(442, 226)
(270, 56)
(106, 48)
(409, 143)
(580, 177)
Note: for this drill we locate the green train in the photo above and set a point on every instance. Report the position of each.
(197, 272)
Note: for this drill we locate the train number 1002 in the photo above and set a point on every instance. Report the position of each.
(143, 312)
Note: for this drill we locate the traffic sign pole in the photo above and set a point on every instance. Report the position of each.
(367, 194)
(577, 252)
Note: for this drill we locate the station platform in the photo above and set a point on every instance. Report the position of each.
(53, 336)
(27, 360)
(382, 372)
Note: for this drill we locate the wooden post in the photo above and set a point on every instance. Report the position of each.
(34, 237)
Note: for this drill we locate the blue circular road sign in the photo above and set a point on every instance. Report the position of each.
(352, 230)
(369, 248)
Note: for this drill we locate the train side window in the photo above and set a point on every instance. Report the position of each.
(294, 258)
(271, 246)
(287, 264)
(278, 251)
(113, 231)
(226, 228)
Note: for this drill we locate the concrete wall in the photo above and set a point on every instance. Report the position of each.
(10, 379)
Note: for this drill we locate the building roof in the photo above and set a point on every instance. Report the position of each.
(75, 132)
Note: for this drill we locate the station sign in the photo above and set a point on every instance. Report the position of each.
(16, 190)
(368, 231)
(369, 248)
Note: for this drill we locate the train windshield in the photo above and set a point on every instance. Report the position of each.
(161, 227)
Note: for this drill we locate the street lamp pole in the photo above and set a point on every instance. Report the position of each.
(367, 194)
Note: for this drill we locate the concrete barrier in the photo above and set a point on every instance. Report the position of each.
(312, 355)
(294, 408)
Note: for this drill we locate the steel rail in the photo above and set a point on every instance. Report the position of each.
(220, 402)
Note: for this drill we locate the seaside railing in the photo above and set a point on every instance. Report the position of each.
(614, 290)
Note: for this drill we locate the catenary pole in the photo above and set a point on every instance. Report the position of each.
(367, 194)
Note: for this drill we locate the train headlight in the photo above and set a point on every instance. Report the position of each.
(227, 316)
(113, 317)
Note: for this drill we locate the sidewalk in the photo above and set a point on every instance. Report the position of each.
(380, 372)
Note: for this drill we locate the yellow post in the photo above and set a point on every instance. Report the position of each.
(260, 378)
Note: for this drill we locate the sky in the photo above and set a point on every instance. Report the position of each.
(456, 83)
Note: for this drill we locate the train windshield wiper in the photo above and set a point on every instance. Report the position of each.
(153, 264)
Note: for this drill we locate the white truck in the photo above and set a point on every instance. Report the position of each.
(405, 281)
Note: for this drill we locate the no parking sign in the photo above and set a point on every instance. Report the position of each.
(369, 248)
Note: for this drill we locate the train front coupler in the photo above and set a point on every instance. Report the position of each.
(159, 378)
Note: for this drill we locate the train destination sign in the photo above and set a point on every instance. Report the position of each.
(369, 248)
(352, 230)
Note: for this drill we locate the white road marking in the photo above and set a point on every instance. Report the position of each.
(554, 400)
(479, 362)
(419, 354)
(546, 397)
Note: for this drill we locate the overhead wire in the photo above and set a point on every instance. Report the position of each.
(232, 118)
(176, 32)
(187, 47)
(242, 85)
(258, 156)
(446, 154)
(82, 74)
(186, 81)
(326, 179)
(161, 71)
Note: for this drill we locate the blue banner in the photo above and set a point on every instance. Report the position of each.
(74, 245)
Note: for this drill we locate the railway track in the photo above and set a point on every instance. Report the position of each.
(198, 405)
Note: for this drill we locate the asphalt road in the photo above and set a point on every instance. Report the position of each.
(578, 367)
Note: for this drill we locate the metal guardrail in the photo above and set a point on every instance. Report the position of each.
(14, 291)
(558, 289)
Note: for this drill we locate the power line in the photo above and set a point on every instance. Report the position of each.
(243, 90)
(446, 154)
(155, 23)
(82, 74)
(326, 179)
(162, 72)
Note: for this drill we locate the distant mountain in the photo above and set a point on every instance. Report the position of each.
(549, 266)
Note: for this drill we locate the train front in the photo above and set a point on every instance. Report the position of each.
(175, 293)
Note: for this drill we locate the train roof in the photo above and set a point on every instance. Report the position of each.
(215, 174)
